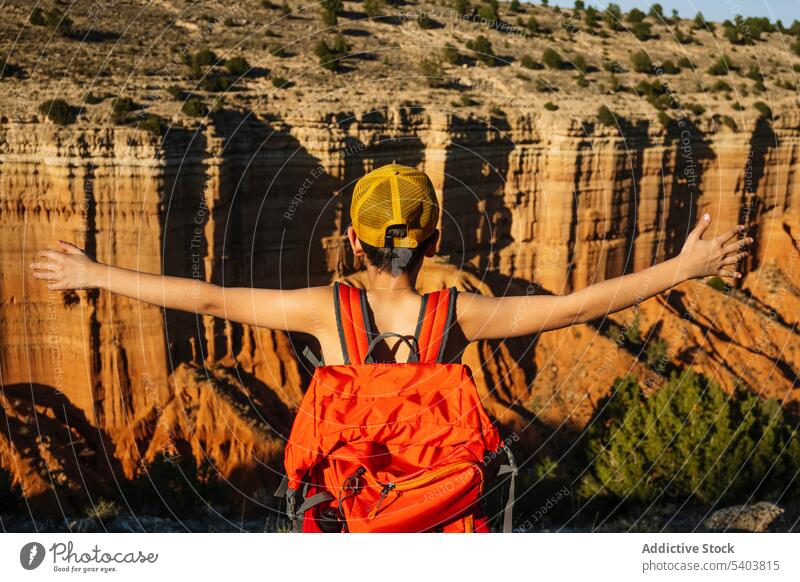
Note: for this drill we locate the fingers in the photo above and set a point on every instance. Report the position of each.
(702, 225)
(737, 245)
(47, 266)
(70, 248)
(57, 256)
(47, 275)
(730, 233)
(729, 273)
(733, 259)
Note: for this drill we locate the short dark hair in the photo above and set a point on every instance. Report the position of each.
(383, 258)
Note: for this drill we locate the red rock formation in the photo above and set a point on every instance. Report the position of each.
(95, 384)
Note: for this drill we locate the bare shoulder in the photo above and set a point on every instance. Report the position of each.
(472, 311)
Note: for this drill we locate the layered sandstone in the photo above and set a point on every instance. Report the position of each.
(94, 385)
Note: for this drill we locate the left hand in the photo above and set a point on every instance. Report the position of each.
(718, 256)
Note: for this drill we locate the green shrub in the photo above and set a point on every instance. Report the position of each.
(451, 55)
(544, 86)
(721, 85)
(103, 510)
(120, 109)
(754, 73)
(432, 72)
(532, 25)
(482, 46)
(580, 64)
(153, 124)
(606, 116)
(699, 22)
(237, 66)
(53, 19)
(721, 66)
(612, 16)
(717, 283)
(683, 38)
(281, 82)
(655, 94)
(330, 10)
(373, 8)
(176, 92)
(763, 109)
(530, 63)
(655, 353)
(202, 58)
(550, 106)
(425, 22)
(462, 7)
(726, 120)
(688, 441)
(696, 108)
(489, 11)
(613, 84)
(641, 62)
(58, 111)
(552, 59)
(93, 99)
(194, 107)
(684, 63)
(330, 56)
(278, 50)
(669, 68)
(635, 15)
(9, 70)
(216, 83)
(591, 17)
(642, 31)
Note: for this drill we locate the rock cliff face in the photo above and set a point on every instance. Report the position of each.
(250, 185)
(94, 384)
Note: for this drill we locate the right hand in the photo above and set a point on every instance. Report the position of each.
(68, 268)
(717, 256)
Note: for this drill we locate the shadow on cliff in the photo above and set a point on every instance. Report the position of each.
(476, 166)
(65, 450)
(692, 151)
(763, 140)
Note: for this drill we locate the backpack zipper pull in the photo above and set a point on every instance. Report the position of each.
(387, 488)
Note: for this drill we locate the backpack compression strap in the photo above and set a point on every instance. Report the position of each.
(437, 315)
(352, 321)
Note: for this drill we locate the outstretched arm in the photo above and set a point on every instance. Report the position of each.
(70, 268)
(500, 317)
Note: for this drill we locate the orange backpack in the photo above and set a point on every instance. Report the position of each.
(391, 447)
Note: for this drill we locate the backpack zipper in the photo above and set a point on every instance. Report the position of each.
(415, 482)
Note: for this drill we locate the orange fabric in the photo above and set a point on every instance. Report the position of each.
(359, 325)
(433, 325)
(420, 427)
(347, 324)
(400, 446)
(353, 324)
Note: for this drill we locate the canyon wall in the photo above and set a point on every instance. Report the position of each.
(94, 384)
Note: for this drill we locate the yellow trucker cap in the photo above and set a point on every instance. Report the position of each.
(394, 195)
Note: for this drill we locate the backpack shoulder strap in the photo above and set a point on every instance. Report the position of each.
(352, 321)
(436, 316)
